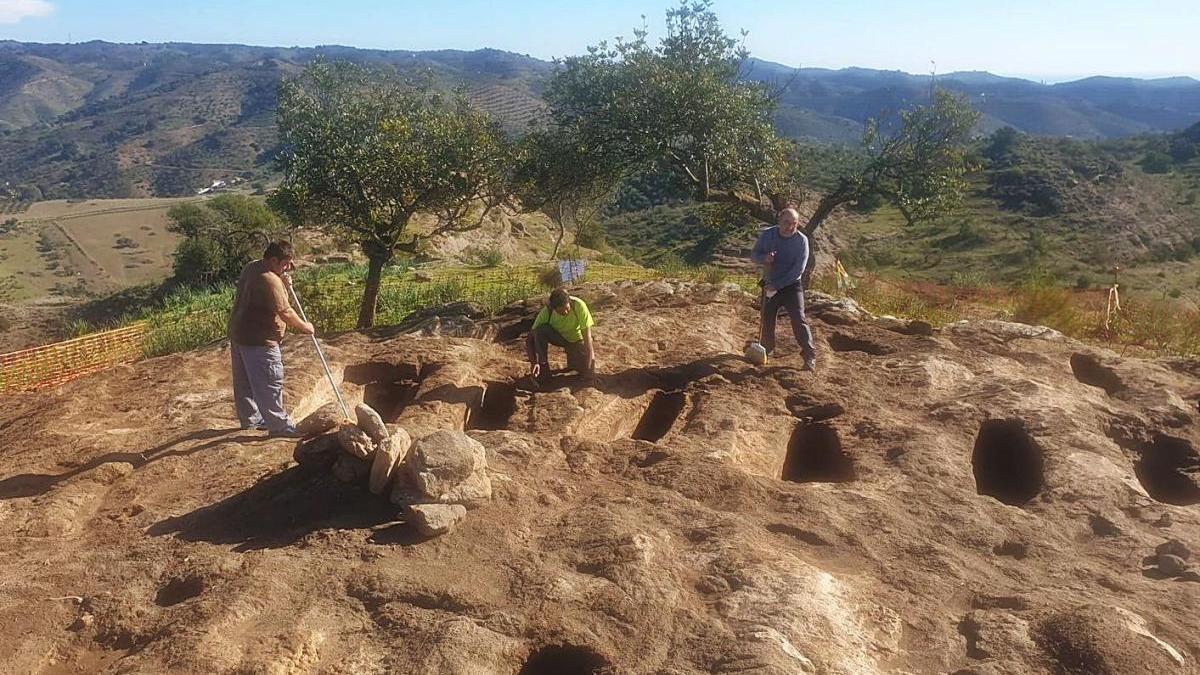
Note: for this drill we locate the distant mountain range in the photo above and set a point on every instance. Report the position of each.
(833, 104)
(101, 119)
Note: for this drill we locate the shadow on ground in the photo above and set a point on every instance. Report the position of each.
(281, 509)
(33, 484)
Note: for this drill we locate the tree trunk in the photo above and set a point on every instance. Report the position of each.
(366, 313)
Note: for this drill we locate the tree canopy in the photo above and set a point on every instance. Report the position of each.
(623, 109)
(364, 149)
(219, 237)
(626, 108)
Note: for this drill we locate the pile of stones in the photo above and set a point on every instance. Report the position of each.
(435, 478)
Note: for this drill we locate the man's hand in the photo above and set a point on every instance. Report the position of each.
(307, 328)
(535, 369)
(770, 258)
(287, 279)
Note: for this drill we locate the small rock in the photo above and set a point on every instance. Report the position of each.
(319, 452)
(432, 520)
(1164, 520)
(350, 469)
(1173, 547)
(388, 456)
(1171, 565)
(422, 276)
(355, 441)
(370, 422)
(84, 621)
(322, 419)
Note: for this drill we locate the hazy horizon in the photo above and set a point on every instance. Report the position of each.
(1037, 41)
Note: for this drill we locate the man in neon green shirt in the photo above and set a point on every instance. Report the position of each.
(564, 322)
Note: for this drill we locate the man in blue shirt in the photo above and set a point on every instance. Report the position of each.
(783, 252)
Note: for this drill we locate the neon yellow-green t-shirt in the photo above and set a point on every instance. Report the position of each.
(570, 325)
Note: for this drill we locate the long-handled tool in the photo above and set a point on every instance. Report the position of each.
(320, 354)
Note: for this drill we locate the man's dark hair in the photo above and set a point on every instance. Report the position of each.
(558, 298)
(279, 250)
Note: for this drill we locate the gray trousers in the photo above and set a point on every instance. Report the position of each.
(258, 386)
(791, 299)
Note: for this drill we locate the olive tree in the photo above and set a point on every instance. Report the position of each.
(623, 109)
(683, 103)
(220, 235)
(365, 149)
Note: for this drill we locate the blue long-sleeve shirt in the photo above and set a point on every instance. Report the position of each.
(791, 256)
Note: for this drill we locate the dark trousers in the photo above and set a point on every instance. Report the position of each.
(537, 346)
(790, 298)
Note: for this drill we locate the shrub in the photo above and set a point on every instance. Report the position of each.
(1156, 162)
(1041, 302)
(484, 256)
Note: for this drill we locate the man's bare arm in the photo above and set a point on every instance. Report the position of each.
(285, 312)
(587, 344)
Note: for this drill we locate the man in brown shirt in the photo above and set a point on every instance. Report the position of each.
(261, 315)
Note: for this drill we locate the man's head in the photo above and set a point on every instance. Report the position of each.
(278, 256)
(560, 301)
(789, 220)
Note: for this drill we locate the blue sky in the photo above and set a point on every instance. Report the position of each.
(1044, 39)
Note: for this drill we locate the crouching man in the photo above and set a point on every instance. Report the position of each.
(261, 315)
(564, 322)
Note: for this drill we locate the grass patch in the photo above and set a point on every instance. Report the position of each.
(331, 295)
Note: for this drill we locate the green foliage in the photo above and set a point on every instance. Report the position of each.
(1156, 162)
(9, 288)
(365, 149)
(1001, 146)
(921, 168)
(591, 236)
(633, 107)
(1043, 176)
(220, 236)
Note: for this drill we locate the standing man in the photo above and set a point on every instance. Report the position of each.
(783, 252)
(261, 315)
(564, 322)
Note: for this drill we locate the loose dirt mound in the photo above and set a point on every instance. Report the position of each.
(975, 501)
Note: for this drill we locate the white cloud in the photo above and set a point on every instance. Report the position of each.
(12, 11)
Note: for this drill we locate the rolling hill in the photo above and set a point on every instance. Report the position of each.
(100, 119)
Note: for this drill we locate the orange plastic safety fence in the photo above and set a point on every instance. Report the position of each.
(50, 365)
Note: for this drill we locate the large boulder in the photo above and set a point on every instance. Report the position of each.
(388, 455)
(432, 520)
(370, 422)
(450, 467)
(322, 419)
(355, 441)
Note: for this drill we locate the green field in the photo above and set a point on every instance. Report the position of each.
(85, 248)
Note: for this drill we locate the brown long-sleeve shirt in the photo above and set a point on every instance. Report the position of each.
(257, 305)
